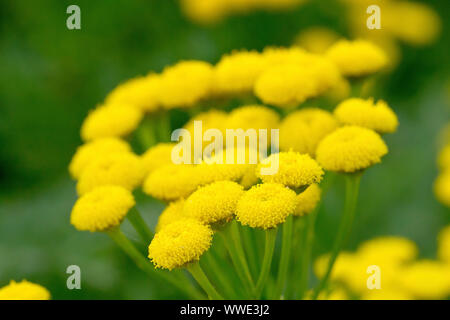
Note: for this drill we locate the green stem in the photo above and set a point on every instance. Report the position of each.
(286, 247)
(146, 134)
(164, 128)
(351, 198)
(215, 270)
(140, 225)
(196, 270)
(250, 249)
(271, 237)
(297, 255)
(142, 263)
(308, 244)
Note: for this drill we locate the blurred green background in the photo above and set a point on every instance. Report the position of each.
(51, 76)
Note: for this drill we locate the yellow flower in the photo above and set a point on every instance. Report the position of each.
(91, 151)
(444, 245)
(426, 279)
(365, 113)
(140, 92)
(394, 250)
(444, 158)
(172, 182)
(101, 209)
(442, 188)
(295, 170)
(24, 290)
(214, 203)
(185, 84)
(307, 200)
(274, 56)
(316, 39)
(350, 149)
(237, 72)
(253, 117)
(122, 169)
(110, 121)
(302, 130)
(172, 213)
(179, 243)
(157, 156)
(265, 205)
(357, 58)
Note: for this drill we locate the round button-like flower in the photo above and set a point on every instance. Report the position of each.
(350, 149)
(112, 120)
(24, 290)
(357, 58)
(179, 244)
(442, 187)
(185, 84)
(214, 203)
(157, 156)
(365, 113)
(307, 200)
(101, 209)
(389, 249)
(302, 130)
(172, 213)
(140, 92)
(295, 170)
(96, 149)
(253, 117)
(266, 205)
(123, 169)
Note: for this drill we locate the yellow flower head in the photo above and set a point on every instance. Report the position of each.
(110, 121)
(357, 58)
(316, 39)
(295, 170)
(157, 156)
(426, 279)
(265, 205)
(444, 245)
(123, 169)
(350, 149)
(444, 158)
(140, 92)
(91, 151)
(442, 188)
(24, 290)
(307, 200)
(214, 203)
(253, 117)
(172, 213)
(180, 243)
(101, 209)
(185, 84)
(302, 130)
(237, 72)
(393, 250)
(274, 56)
(172, 182)
(365, 113)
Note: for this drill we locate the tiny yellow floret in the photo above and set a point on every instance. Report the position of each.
(24, 290)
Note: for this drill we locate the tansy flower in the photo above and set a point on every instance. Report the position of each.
(172, 213)
(350, 149)
(185, 84)
(110, 121)
(24, 290)
(237, 72)
(307, 200)
(444, 158)
(90, 151)
(179, 244)
(214, 203)
(140, 92)
(394, 250)
(101, 209)
(316, 39)
(265, 205)
(295, 170)
(357, 58)
(302, 130)
(444, 245)
(172, 182)
(274, 56)
(426, 279)
(442, 187)
(124, 169)
(253, 117)
(157, 156)
(365, 113)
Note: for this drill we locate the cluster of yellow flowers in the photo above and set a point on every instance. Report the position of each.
(212, 11)
(387, 268)
(442, 183)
